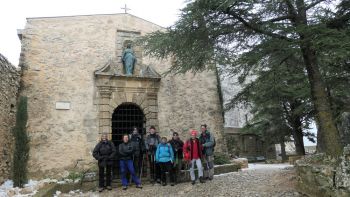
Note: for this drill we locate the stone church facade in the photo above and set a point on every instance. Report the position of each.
(73, 77)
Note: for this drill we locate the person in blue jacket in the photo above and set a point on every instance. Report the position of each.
(165, 158)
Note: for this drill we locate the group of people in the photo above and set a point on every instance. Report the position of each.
(162, 156)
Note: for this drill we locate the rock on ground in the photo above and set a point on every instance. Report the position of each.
(257, 181)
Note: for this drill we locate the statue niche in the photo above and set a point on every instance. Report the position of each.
(129, 59)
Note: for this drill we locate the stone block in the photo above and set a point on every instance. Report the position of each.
(242, 162)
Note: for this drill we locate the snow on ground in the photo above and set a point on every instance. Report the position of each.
(29, 189)
(258, 166)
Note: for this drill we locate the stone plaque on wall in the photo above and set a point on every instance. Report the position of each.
(62, 105)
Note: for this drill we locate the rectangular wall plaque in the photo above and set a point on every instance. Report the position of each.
(63, 105)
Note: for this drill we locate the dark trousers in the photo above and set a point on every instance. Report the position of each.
(154, 168)
(128, 166)
(137, 164)
(177, 169)
(166, 167)
(104, 172)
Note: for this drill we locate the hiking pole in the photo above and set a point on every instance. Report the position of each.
(141, 168)
(133, 161)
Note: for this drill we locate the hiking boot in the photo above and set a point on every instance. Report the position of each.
(164, 183)
(210, 178)
(172, 184)
(193, 182)
(125, 187)
(158, 181)
(201, 180)
(100, 189)
(139, 186)
(109, 187)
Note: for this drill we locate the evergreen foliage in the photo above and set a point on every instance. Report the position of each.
(21, 152)
(253, 37)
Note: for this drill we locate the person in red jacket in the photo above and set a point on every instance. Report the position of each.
(193, 154)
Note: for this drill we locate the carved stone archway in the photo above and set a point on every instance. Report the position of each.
(113, 89)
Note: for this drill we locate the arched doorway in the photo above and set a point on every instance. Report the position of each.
(124, 118)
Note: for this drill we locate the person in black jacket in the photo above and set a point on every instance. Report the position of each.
(126, 152)
(151, 142)
(177, 145)
(139, 147)
(104, 152)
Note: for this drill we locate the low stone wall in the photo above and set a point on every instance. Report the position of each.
(9, 83)
(321, 175)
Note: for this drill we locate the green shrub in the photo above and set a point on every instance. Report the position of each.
(21, 152)
(221, 158)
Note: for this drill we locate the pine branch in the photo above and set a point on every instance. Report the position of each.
(314, 4)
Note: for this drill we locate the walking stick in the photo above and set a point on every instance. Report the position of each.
(141, 168)
(130, 175)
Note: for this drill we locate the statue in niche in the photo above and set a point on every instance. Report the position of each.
(128, 59)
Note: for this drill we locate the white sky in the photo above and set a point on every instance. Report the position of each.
(13, 15)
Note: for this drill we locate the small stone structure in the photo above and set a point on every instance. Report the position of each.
(248, 145)
(9, 83)
(321, 175)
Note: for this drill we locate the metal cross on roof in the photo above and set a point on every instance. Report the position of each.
(126, 9)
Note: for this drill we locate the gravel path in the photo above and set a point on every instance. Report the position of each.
(257, 181)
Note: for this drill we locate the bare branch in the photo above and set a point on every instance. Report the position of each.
(255, 28)
(281, 18)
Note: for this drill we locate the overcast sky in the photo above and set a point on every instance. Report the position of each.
(13, 15)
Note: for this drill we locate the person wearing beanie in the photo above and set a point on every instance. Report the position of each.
(192, 154)
(151, 142)
(177, 145)
(165, 158)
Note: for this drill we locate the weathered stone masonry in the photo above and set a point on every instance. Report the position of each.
(9, 84)
(60, 59)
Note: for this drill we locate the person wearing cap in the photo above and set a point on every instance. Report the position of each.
(193, 154)
(104, 152)
(177, 145)
(165, 158)
(208, 142)
(126, 164)
(151, 142)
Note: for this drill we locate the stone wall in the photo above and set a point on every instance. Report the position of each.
(9, 83)
(321, 175)
(59, 57)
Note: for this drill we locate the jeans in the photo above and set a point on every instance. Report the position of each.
(125, 166)
(101, 173)
(199, 167)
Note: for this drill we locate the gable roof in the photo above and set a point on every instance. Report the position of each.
(90, 15)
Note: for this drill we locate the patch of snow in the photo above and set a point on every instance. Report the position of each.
(7, 185)
(225, 174)
(258, 166)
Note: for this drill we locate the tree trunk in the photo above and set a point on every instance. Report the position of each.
(295, 121)
(298, 137)
(283, 150)
(324, 117)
